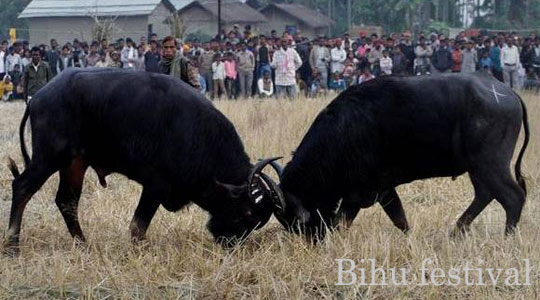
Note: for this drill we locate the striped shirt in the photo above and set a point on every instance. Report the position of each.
(286, 62)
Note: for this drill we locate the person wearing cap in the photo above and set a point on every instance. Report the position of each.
(175, 64)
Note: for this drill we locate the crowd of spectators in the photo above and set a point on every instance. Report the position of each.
(242, 64)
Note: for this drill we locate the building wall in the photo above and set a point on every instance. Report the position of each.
(278, 21)
(66, 29)
(157, 18)
(132, 26)
(197, 19)
(42, 30)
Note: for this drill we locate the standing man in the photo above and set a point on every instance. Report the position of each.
(175, 64)
(495, 55)
(36, 75)
(205, 65)
(12, 59)
(246, 66)
(536, 59)
(337, 56)
(318, 60)
(152, 58)
(52, 57)
(286, 61)
(93, 57)
(510, 60)
(129, 54)
(263, 57)
(469, 59)
(442, 58)
(3, 56)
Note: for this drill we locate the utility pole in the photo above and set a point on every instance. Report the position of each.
(527, 14)
(349, 16)
(219, 20)
(330, 16)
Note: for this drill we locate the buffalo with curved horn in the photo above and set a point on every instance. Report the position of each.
(152, 128)
(394, 130)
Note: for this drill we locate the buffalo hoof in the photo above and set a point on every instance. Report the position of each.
(80, 243)
(459, 232)
(11, 249)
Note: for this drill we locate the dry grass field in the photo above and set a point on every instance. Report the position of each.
(180, 260)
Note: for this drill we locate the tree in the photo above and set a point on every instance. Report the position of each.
(10, 10)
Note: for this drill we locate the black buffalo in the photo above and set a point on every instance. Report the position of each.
(152, 128)
(394, 130)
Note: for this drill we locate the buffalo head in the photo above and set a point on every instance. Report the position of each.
(249, 207)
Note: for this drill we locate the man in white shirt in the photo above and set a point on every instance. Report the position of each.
(386, 63)
(318, 60)
(510, 62)
(286, 61)
(3, 56)
(12, 59)
(337, 56)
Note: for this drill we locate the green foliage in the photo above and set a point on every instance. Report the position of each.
(509, 14)
(9, 11)
(439, 27)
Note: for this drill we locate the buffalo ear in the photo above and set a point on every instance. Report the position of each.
(231, 190)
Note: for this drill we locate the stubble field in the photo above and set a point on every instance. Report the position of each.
(181, 261)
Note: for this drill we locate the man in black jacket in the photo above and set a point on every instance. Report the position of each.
(442, 58)
(52, 57)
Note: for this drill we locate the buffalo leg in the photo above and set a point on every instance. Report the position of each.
(24, 187)
(482, 197)
(391, 203)
(68, 195)
(510, 195)
(148, 205)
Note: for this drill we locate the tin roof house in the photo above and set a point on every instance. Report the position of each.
(65, 20)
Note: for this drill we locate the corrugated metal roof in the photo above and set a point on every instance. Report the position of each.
(179, 4)
(305, 14)
(77, 8)
(231, 11)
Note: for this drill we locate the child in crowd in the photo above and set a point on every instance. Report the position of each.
(348, 72)
(265, 85)
(315, 85)
(485, 63)
(336, 82)
(6, 88)
(301, 86)
(16, 78)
